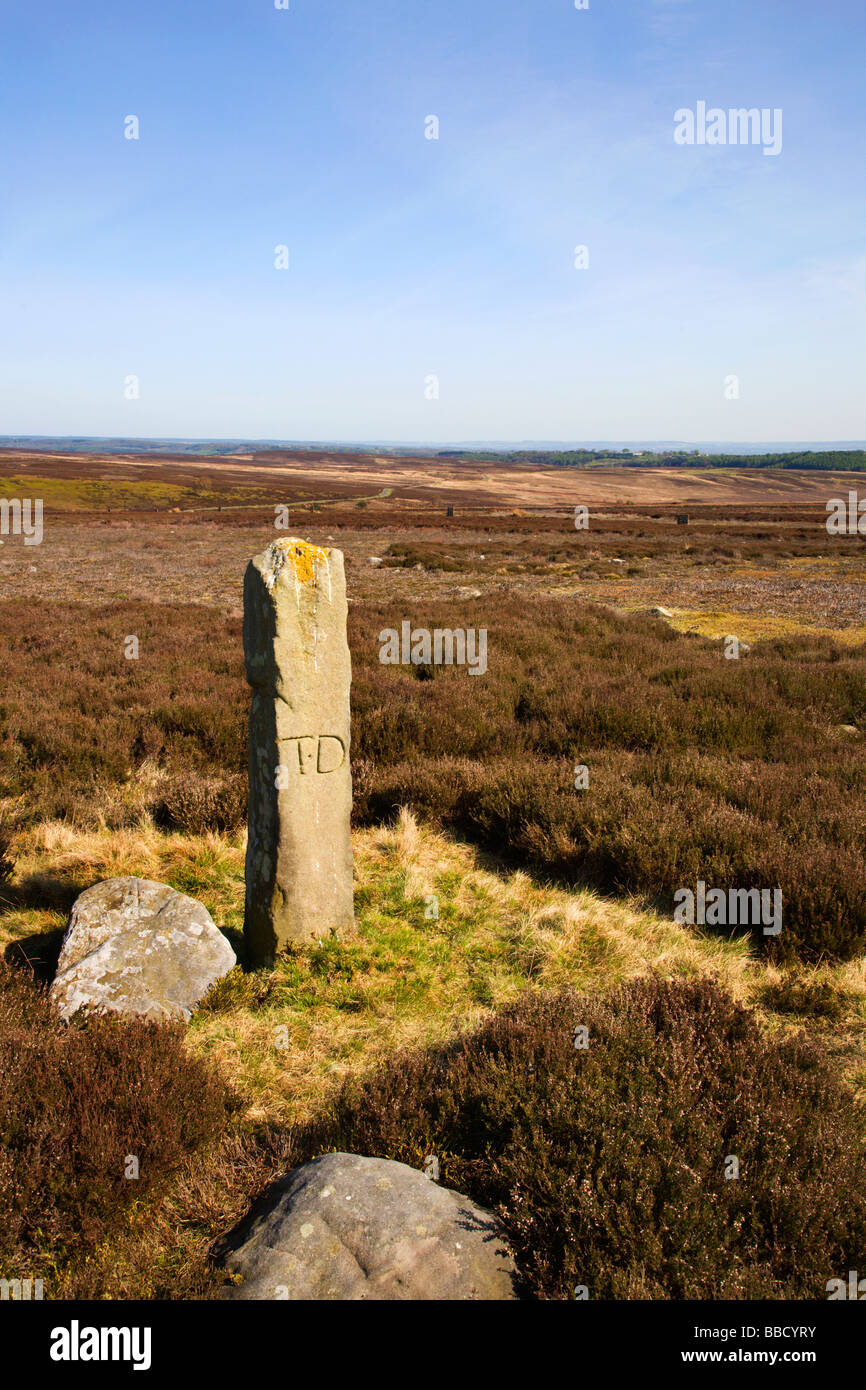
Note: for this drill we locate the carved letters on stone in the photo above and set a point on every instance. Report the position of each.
(312, 753)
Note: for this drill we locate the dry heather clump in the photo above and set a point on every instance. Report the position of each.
(609, 1163)
(76, 1103)
(7, 864)
(195, 804)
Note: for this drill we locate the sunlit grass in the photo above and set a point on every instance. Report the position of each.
(756, 627)
(85, 494)
(442, 940)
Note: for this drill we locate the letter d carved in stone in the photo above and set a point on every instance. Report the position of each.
(326, 753)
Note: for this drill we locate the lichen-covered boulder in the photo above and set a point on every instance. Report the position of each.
(134, 946)
(346, 1227)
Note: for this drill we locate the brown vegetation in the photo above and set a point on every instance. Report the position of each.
(737, 772)
(76, 1105)
(609, 1165)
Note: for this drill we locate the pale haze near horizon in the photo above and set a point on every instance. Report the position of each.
(412, 258)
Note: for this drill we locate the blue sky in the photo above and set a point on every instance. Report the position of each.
(411, 258)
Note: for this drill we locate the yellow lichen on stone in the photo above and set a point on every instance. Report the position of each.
(304, 559)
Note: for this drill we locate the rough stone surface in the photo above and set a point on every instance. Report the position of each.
(299, 852)
(134, 946)
(353, 1228)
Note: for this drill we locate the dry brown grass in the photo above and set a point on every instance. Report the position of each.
(406, 980)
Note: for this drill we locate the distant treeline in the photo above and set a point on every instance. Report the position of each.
(850, 460)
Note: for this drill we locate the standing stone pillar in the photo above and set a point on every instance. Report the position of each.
(299, 853)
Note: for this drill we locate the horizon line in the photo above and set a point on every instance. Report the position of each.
(772, 445)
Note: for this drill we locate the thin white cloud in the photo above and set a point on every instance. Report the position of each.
(840, 278)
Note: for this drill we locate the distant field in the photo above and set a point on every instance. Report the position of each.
(285, 476)
(755, 557)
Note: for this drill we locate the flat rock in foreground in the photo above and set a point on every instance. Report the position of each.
(348, 1227)
(134, 946)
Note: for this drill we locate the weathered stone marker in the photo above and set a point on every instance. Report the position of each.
(299, 853)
